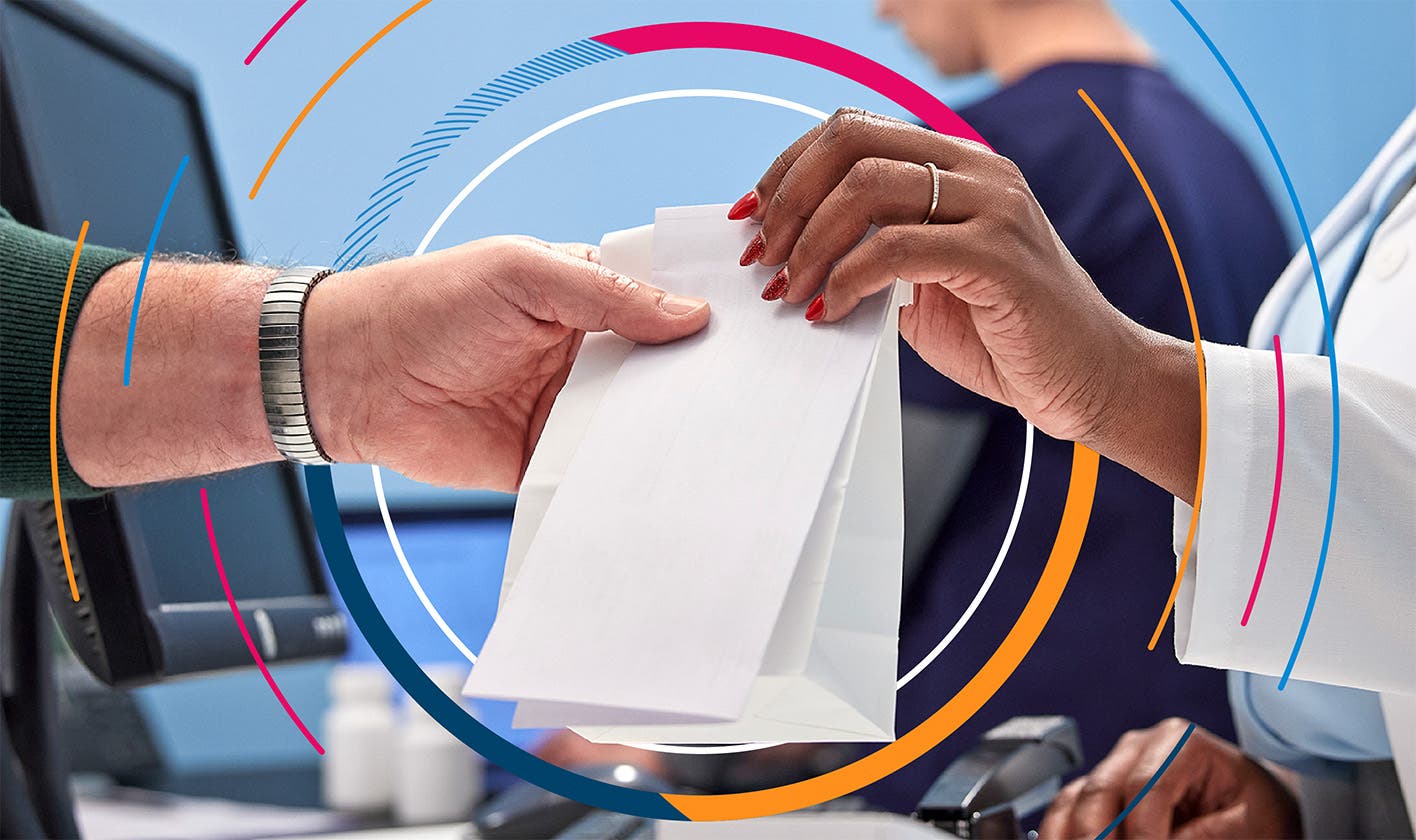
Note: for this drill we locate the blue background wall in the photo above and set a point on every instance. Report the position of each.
(1332, 78)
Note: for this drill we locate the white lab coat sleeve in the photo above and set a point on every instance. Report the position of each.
(1362, 632)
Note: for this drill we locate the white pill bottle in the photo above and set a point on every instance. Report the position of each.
(437, 777)
(356, 773)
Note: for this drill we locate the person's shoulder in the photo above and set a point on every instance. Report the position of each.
(1044, 126)
(1141, 99)
(1043, 123)
(1088, 187)
(1042, 120)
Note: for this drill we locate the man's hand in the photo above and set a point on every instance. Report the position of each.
(1211, 789)
(443, 366)
(1001, 306)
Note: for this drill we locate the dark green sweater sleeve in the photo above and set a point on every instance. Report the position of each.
(33, 268)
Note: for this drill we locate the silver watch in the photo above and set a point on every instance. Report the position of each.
(282, 371)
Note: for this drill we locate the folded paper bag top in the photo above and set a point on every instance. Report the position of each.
(696, 550)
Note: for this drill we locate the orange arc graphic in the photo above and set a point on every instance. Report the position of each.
(324, 88)
(923, 738)
(1199, 361)
(54, 409)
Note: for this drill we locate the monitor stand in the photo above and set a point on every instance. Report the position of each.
(35, 798)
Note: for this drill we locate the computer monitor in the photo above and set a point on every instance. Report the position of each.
(94, 126)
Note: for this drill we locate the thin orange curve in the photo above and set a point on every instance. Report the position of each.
(54, 409)
(324, 88)
(1199, 362)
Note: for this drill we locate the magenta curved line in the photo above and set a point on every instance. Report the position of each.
(798, 47)
(1277, 486)
(245, 634)
(294, 7)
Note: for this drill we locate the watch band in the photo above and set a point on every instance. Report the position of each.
(282, 370)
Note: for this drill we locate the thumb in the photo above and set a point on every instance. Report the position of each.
(940, 328)
(587, 296)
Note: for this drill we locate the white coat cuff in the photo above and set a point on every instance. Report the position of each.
(1242, 414)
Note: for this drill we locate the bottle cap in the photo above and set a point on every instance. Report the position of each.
(360, 681)
(447, 676)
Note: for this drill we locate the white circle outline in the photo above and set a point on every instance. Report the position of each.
(477, 180)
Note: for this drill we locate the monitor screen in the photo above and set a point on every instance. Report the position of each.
(103, 139)
(164, 523)
(103, 136)
(97, 125)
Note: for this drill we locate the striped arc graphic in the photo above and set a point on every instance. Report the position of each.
(451, 125)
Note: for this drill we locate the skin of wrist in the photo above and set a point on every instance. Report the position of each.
(1152, 420)
(341, 329)
(194, 402)
(1117, 389)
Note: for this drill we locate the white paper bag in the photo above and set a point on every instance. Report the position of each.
(774, 616)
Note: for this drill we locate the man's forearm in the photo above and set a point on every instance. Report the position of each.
(193, 404)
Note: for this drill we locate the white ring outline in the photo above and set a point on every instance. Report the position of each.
(477, 180)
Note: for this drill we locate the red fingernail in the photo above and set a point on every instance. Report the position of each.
(744, 207)
(776, 287)
(816, 309)
(754, 250)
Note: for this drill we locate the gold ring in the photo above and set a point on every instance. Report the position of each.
(934, 195)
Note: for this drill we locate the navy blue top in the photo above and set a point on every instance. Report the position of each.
(1091, 661)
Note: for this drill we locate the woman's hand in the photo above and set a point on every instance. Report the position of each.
(1211, 789)
(444, 366)
(1001, 306)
